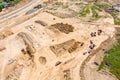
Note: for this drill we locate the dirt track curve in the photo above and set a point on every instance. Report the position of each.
(103, 45)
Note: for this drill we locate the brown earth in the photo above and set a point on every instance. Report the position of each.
(39, 51)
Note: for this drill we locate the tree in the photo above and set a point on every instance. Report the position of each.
(8, 0)
(1, 8)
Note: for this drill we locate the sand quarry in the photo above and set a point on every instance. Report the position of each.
(46, 47)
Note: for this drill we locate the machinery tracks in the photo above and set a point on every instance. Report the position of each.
(103, 45)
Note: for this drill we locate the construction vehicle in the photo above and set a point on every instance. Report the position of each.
(38, 6)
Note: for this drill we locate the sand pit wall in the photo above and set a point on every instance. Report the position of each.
(106, 45)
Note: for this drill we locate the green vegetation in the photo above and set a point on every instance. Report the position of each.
(10, 1)
(117, 34)
(90, 9)
(95, 8)
(111, 61)
(64, 7)
(85, 11)
(114, 14)
(13, 2)
(0, 8)
(102, 5)
(7, 3)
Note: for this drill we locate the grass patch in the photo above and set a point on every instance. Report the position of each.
(14, 2)
(64, 7)
(95, 8)
(102, 5)
(114, 15)
(90, 9)
(85, 11)
(111, 61)
(117, 34)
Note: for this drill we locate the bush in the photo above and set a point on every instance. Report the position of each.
(90, 8)
(102, 5)
(113, 59)
(1, 8)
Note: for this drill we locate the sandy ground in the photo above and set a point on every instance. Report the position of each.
(24, 68)
(91, 72)
(91, 69)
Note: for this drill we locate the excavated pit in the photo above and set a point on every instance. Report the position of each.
(67, 75)
(42, 60)
(70, 46)
(64, 28)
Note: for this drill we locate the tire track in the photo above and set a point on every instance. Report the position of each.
(102, 45)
